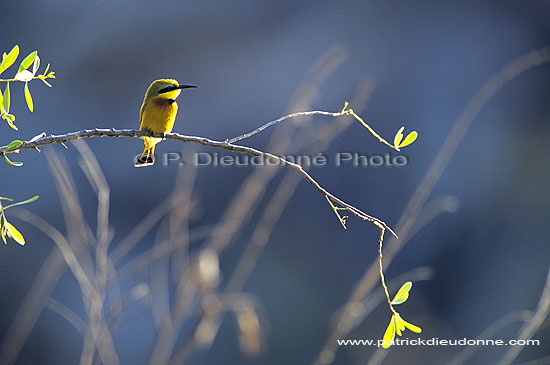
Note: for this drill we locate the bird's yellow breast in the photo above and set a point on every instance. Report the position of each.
(158, 115)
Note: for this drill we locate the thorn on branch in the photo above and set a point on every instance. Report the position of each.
(342, 219)
(37, 137)
(344, 111)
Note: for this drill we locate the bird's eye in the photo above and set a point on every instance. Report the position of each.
(168, 88)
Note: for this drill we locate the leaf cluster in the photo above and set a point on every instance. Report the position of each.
(23, 75)
(397, 324)
(6, 228)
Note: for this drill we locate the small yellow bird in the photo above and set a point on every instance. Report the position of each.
(157, 114)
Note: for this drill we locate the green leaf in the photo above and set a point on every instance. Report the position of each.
(14, 233)
(409, 139)
(398, 137)
(29, 60)
(403, 293)
(36, 65)
(399, 324)
(28, 97)
(10, 118)
(3, 233)
(2, 103)
(6, 101)
(389, 335)
(8, 199)
(13, 163)
(411, 326)
(30, 200)
(13, 145)
(9, 59)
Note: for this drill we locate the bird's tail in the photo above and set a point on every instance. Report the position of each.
(147, 157)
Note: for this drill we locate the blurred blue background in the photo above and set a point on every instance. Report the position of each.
(425, 58)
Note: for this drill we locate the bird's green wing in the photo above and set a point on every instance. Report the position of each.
(141, 112)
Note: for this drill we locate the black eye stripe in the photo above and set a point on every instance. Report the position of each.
(168, 88)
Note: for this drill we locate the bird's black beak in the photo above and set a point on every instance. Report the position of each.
(174, 87)
(186, 86)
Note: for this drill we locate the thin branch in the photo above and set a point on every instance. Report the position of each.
(277, 121)
(137, 265)
(381, 270)
(141, 229)
(65, 248)
(382, 140)
(31, 308)
(68, 314)
(468, 351)
(341, 113)
(527, 331)
(545, 360)
(97, 324)
(132, 133)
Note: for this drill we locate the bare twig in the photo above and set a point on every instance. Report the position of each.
(79, 234)
(169, 318)
(66, 251)
(97, 326)
(489, 332)
(32, 305)
(145, 259)
(527, 331)
(545, 360)
(141, 229)
(68, 314)
(270, 158)
(277, 121)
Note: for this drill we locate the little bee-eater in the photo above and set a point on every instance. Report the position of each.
(157, 114)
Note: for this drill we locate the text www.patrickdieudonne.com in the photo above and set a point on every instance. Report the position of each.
(438, 342)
